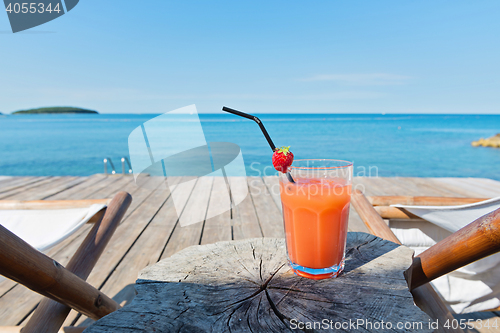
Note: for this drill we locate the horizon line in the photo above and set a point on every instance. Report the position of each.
(262, 113)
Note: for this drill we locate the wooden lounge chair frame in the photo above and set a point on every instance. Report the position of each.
(64, 287)
(477, 240)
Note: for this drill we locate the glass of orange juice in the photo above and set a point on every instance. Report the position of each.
(315, 214)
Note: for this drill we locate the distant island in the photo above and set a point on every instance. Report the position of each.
(494, 142)
(57, 109)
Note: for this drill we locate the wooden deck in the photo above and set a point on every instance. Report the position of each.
(150, 229)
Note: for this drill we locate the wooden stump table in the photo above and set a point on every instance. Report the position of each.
(247, 286)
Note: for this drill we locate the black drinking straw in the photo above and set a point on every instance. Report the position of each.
(263, 129)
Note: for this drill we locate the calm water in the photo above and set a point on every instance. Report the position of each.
(392, 145)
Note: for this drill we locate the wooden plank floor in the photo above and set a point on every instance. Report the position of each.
(150, 231)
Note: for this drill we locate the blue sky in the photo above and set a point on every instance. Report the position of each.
(258, 56)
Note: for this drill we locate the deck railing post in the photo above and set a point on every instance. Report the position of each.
(106, 160)
(126, 160)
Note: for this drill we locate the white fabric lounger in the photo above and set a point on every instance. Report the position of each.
(475, 287)
(43, 229)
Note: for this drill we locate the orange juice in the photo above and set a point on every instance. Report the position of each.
(315, 214)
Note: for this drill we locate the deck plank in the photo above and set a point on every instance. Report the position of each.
(23, 299)
(489, 190)
(62, 253)
(80, 190)
(139, 195)
(429, 184)
(43, 192)
(146, 250)
(218, 228)
(96, 193)
(24, 191)
(122, 184)
(92, 192)
(245, 220)
(7, 285)
(457, 185)
(103, 192)
(355, 223)
(365, 185)
(368, 185)
(150, 229)
(11, 182)
(270, 218)
(489, 182)
(18, 182)
(401, 188)
(5, 178)
(123, 240)
(273, 186)
(195, 208)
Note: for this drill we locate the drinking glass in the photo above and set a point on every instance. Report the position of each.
(315, 215)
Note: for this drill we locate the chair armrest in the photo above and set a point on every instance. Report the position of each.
(50, 315)
(475, 241)
(370, 217)
(425, 297)
(421, 200)
(24, 264)
(388, 212)
(49, 204)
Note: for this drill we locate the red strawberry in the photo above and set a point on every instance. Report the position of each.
(282, 159)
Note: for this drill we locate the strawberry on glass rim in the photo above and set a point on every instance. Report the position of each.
(282, 159)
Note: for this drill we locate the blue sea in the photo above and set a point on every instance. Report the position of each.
(383, 145)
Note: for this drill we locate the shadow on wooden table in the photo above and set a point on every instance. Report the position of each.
(244, 286)
(124, 297)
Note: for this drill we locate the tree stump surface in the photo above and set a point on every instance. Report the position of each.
(247, 286)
